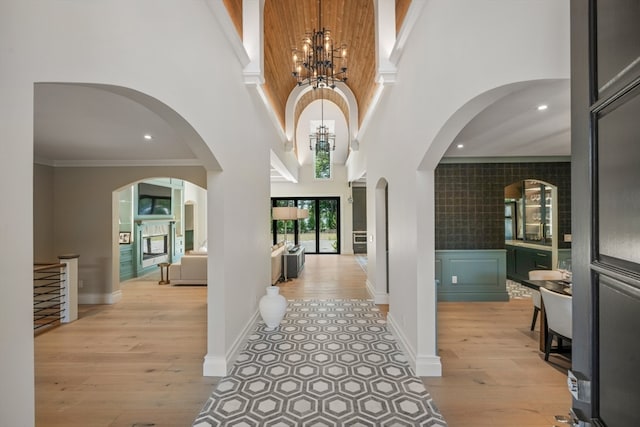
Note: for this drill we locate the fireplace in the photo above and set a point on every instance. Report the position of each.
(154, 246)
(155, 243)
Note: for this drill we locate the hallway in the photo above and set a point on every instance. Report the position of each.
(139, 362)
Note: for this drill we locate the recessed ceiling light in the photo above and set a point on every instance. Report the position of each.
(147, 137)
(542, 107)
(460, 145)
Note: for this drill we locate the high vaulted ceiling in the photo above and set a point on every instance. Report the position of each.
(72, 122)
(287, 21)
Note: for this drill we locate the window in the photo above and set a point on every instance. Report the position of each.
(322, 152)
(322, 164)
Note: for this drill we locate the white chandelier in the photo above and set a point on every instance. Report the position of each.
(319, 63)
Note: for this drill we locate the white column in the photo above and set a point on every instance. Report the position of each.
(428, 362)
(385, 31)
(253, 39)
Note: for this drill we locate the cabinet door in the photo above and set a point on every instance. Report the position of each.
(542, 260)
(530, 259)
(538, 210)
(511, 262)
(547, 214)
(533, 212)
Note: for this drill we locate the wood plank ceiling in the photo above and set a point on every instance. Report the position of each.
(285, 24)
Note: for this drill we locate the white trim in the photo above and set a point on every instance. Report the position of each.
(422, 365)
(119, 163)
(428, 366)
(240, 341)
(378, 297)
(375, 99)
(405, 346)
(252, 40)
(415, 8)
(269, 109)
(214, 366)
(385, 23)
(219, 11)
(279, 166)
(112, 298)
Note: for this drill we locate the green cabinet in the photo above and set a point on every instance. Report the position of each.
(533, 219)
(511, 261)
(521, 260)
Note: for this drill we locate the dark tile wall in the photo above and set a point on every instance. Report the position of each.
(469, 203)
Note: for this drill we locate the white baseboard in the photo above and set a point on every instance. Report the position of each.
(378, 297)
(214, 366)
(241, 340)
(112, 298)
(219, 367)
(423, 366)
(428, 366)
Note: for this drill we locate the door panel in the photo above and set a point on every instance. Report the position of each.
(605, 151)
(307, 227)
(618, 136)
(617, 43)
(328, 226)
(618, 352)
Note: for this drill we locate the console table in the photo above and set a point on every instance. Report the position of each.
(293, 262)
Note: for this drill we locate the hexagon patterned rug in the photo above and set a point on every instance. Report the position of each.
(330, 363)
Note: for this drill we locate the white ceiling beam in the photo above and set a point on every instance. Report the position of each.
(253, 40)
(385, 20)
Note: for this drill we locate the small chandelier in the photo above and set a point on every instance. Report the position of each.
(322, 139)
(319, 63)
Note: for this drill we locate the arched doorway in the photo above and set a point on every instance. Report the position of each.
(147, 237)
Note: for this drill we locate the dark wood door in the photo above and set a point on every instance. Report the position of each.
(605, 38)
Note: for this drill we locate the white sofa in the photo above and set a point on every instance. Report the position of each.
(276, 262)
(191, 270)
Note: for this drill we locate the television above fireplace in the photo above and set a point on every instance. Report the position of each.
(153, 199)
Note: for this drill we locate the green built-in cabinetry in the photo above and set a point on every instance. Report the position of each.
(127, 270)
(521, 260)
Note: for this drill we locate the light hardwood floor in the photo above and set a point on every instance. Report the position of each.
(493, 373)
(139, 362)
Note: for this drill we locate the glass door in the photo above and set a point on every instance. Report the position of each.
(319, 233)
(307, 226)
(328, 226)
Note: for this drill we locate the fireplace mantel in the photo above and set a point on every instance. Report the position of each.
(154, 243)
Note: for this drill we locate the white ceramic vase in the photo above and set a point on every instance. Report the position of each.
(272, 307)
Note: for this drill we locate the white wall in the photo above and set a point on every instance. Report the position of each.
(456, 52)
(337, 187)
(43, 196)
(198, 196)
(175, 53)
